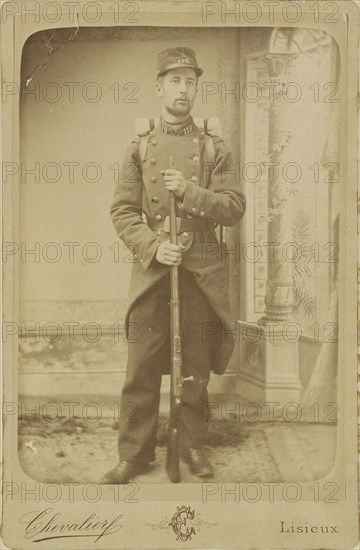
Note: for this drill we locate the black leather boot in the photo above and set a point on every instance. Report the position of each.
(123, 473)
(198, 462)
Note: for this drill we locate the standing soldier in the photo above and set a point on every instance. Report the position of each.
(174, 156)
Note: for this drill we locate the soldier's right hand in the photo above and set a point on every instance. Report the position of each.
(168, 253)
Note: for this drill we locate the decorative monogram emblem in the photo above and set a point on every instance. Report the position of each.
(179, 523)
(184, 523)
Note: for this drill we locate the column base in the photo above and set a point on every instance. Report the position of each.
(269, 364)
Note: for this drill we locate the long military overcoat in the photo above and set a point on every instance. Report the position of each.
(212, 194)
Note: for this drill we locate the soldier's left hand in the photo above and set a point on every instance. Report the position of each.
(175, 182)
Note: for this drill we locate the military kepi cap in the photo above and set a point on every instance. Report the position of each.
(173, 58)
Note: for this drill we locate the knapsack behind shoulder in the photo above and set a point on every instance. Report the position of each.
(210, 126)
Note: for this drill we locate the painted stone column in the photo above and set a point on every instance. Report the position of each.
(279, 288)
(269, 367)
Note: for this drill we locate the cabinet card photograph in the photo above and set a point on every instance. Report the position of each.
(179, 274)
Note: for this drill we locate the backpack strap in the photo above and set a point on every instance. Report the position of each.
(209, 148)
(210, 154)
(143, 127)
(210, 127)
(143, 148)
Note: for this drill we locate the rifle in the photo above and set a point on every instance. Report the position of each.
(172, 457)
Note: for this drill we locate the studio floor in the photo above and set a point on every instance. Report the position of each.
(82, 452)
(74, 449)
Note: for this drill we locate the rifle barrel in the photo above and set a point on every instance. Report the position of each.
(172, 459)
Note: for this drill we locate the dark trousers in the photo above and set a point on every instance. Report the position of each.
(149, 357)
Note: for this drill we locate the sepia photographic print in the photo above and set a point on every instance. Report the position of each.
(179, 274)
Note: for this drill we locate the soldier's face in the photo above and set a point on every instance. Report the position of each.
(178, 88)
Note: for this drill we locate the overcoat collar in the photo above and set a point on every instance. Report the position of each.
(182, 130)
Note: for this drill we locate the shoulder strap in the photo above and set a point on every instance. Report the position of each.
(210, 127)
(143, 148)
(143, 127)
(209, 148)
(210, 154)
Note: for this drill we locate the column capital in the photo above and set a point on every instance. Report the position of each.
(278, 64)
